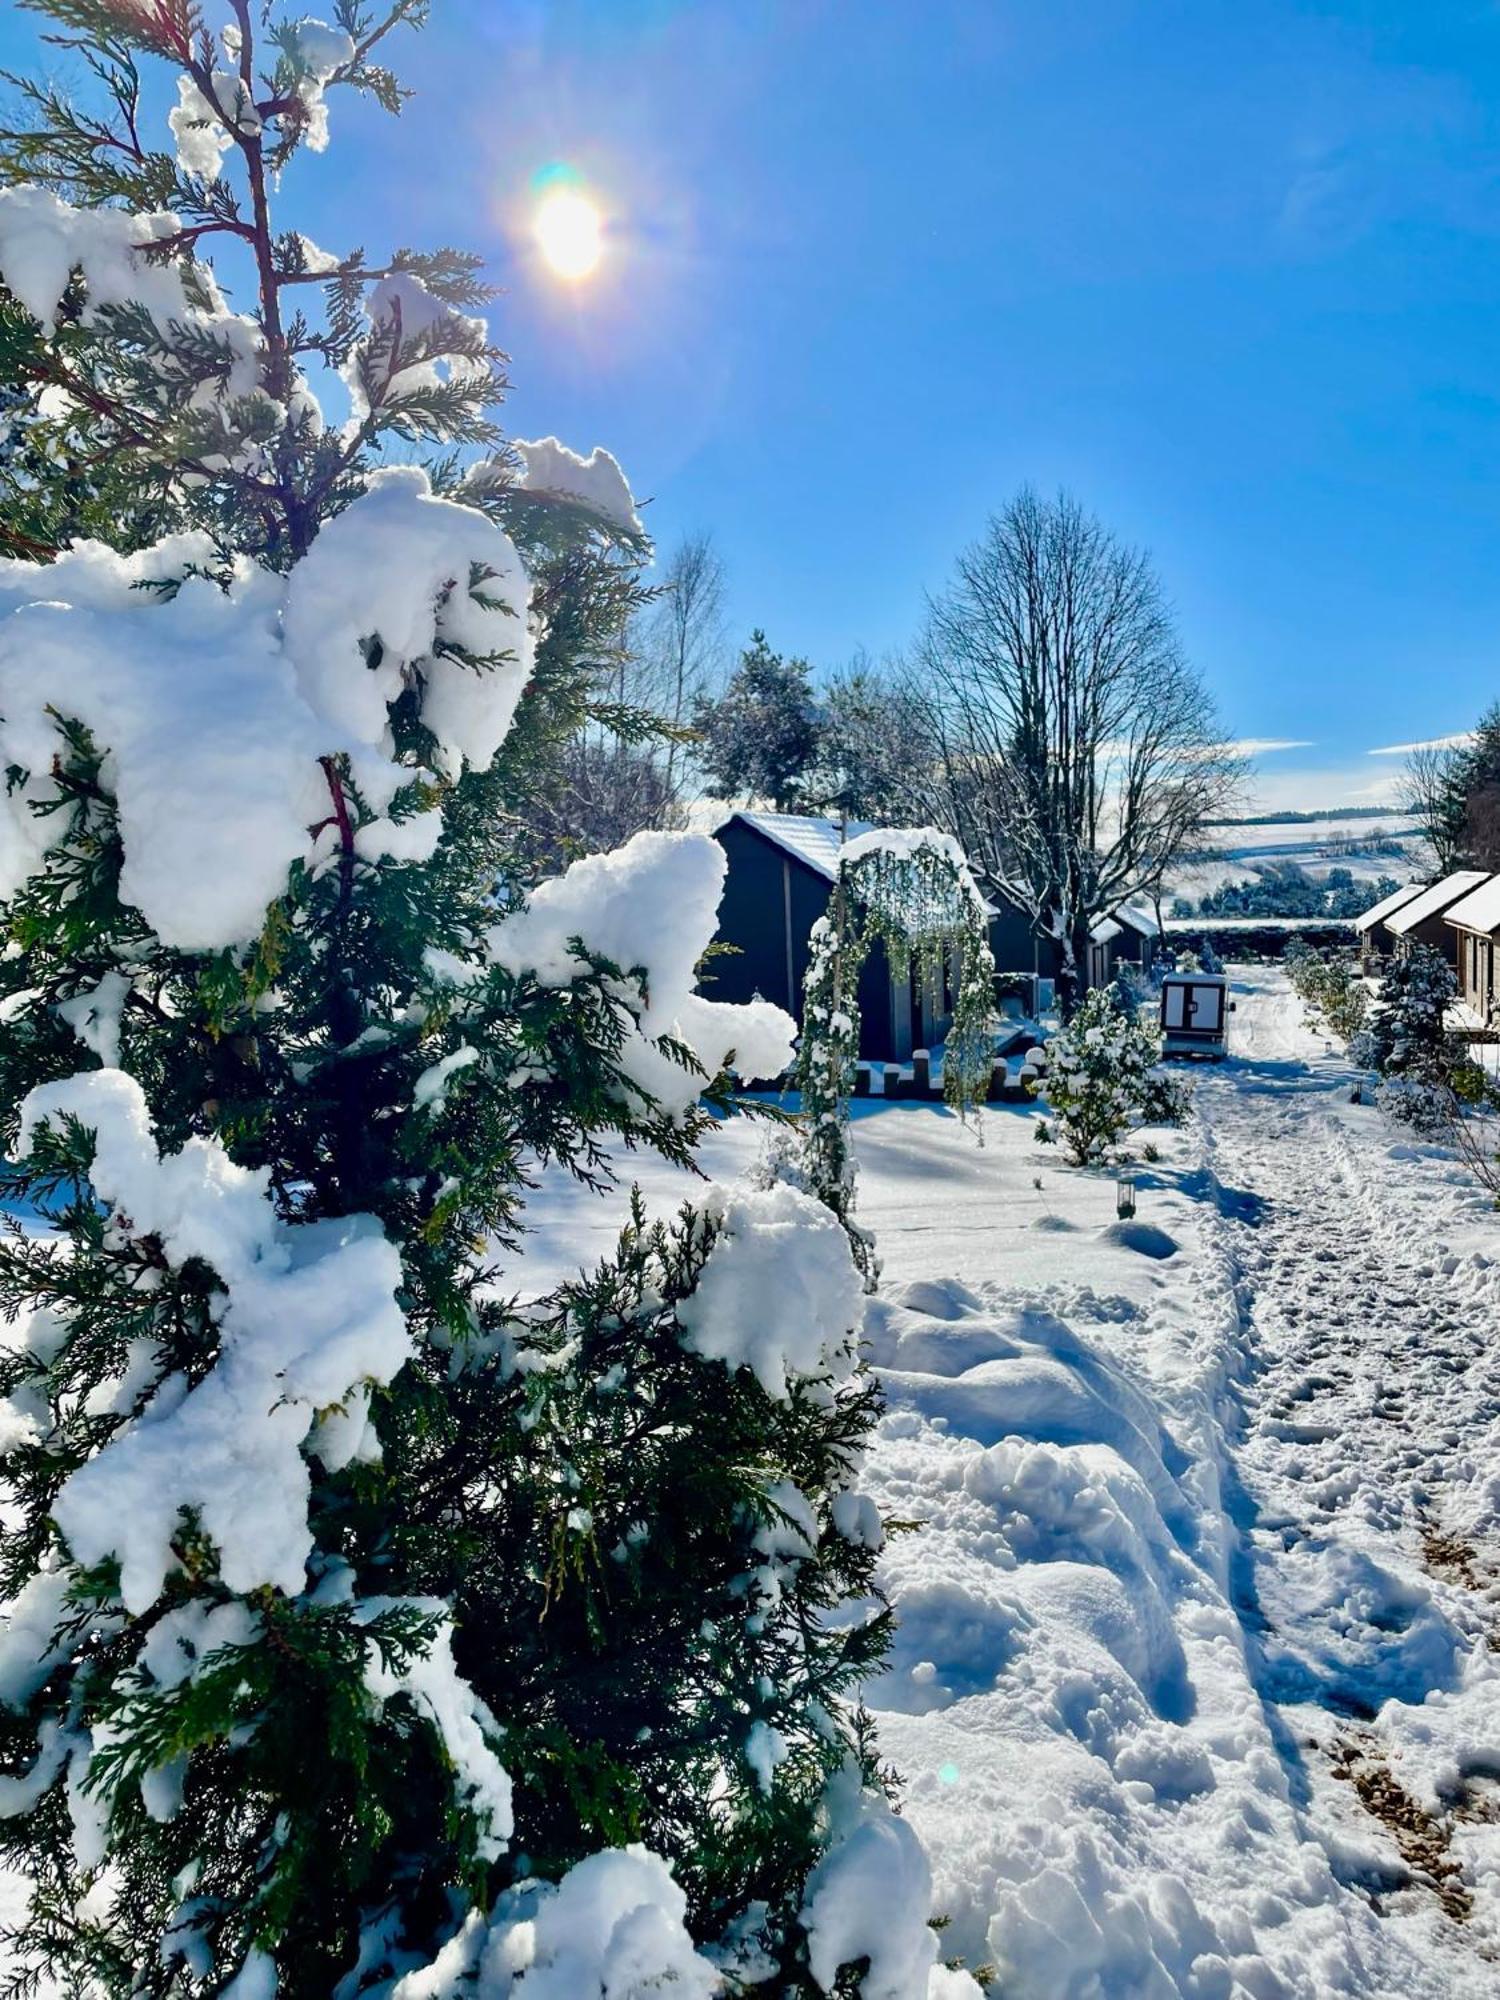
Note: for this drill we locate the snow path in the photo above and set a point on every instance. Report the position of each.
(1193, 1692)
(1364, 1476)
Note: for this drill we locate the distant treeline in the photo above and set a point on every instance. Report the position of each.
(1286, 890)
(1307, 818)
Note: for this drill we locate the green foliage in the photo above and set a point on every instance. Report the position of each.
(563, 1491)
(760, 737)
(1103, 1078)
(1426, 1071)
(1331, 988)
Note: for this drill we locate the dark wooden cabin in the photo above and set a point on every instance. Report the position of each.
(778, 884)
(1128, 937)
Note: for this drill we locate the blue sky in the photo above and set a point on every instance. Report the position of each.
(1227, 271)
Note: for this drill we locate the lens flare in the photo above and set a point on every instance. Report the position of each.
(569, 233)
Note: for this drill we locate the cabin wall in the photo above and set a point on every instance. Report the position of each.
(1433, 931)
(1476, 968)
(770, 903)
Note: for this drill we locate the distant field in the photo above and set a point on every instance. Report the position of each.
(1390, 844)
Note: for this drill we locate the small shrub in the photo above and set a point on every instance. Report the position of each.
(1330, 988)
(1103, 1077)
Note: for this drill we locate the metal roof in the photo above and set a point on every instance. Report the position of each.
(1435, 900)
(1480, 909)
(1388, 905)
(814, 842)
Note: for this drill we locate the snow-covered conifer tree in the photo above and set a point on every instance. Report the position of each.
(359, 1589)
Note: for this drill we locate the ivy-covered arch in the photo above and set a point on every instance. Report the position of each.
(910, 890)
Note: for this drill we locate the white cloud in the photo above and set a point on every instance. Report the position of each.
(1323, 789)
(1264, 746)
(1432, 743)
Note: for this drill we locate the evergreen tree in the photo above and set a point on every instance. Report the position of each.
(1426, 1071)
(1104, 1076)
(760, 737)
(1478, 773)
(359, 1586)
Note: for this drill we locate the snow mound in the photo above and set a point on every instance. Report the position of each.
(1087, 1759)
(1145, 1238)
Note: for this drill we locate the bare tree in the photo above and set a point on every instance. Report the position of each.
(876, 749)
(679, 647)
(1078, 754)
(625, 767)
(1434, 792)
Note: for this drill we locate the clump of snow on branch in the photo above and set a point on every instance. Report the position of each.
(215, 706)
(780, 1293)
(651, 907)
(614, 1928)
(317, 53)
(404, 312)
(212, 753)
(870, 1897)
(551, 467)
(310, 1319)
(201, 127)
(44, 240)
(415, 573)
(432, 1682)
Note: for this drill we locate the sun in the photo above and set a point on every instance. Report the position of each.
(569, 232)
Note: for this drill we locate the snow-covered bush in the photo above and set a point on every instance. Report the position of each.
(1405, 1039)
(354, 1581)
(1103, 1077)
(1428, 1078)
(1331, 988)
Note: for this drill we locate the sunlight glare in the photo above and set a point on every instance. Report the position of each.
(568, 231)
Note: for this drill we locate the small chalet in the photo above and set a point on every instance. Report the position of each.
(1474, 922)
(1129, 937)
(1423, 919)
(777, 885)
(1376, 939)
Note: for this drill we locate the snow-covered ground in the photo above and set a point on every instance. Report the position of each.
(1195, 1690)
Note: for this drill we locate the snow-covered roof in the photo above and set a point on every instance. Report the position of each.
(1103, 929)
(1131, 917)
(1388, 905)
(813, 841)
(1480, 909)
(1435, 900)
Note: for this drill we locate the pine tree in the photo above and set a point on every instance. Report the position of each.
(760, 737)
(355, 1581)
